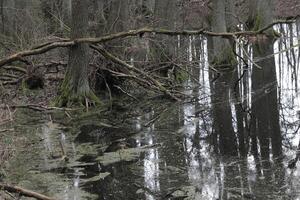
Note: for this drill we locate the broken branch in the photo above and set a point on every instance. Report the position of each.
(116, 60)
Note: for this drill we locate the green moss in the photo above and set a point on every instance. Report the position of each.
(26, 91)
(181, 76)
(257, 22)
(24, 87)
(225, 61)
(276, 34)
(69, 98)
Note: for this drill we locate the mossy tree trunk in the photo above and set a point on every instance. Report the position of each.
(75, 88)
(222, 56)
(264, 84)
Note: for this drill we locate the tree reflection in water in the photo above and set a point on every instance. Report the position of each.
(195, 160)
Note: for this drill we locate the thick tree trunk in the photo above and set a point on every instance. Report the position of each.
(222, 52)
(222, 56)
(75, 88)
(99, 17)
(264, 85)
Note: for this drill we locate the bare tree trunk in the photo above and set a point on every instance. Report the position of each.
(222, 56)
(163, 49)
(118, 16)
(99, 18)
(75, 87)
(7, 16)
(231, 25)
(264, 84)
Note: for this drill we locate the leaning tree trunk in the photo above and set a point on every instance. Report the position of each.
(75, 88)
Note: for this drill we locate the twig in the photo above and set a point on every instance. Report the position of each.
(24, 192)
(6, 130)
(38, 107)
(15, 68)
(246, 54)
(10, 113)
(116, 60)
(292, 163)
(109, 92)
(153, 120)
(118, 87)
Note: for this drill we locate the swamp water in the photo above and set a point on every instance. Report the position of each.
(165, 153)
(165, 150)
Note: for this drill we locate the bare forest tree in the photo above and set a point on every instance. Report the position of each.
(108, 23)
(196, 78)
(265, 109)
(75, 88)
(224, 59)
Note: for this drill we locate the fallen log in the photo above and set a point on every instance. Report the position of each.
(24, 192)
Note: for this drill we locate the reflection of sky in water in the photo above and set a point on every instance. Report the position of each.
(285, 61)
(203, 169)
(151, 164)
(290, 102)
(198, 160)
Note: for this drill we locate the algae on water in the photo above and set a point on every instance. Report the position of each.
(126, 155)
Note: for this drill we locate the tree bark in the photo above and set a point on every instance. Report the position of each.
(222, 55)
(163, 48)
(264, 84)
(75, 87)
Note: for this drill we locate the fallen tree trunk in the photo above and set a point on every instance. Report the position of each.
(24, 192)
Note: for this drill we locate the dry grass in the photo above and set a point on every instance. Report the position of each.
(6, 146)
(6, 151)
(6, 114)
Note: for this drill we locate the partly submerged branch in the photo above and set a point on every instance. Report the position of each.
(43, 48)
(24, 192)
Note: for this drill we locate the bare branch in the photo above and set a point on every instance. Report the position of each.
(116, 60)
(40, 49)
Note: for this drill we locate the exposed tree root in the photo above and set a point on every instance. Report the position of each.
(69, 99)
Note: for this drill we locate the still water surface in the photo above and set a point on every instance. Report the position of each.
(165, 150)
